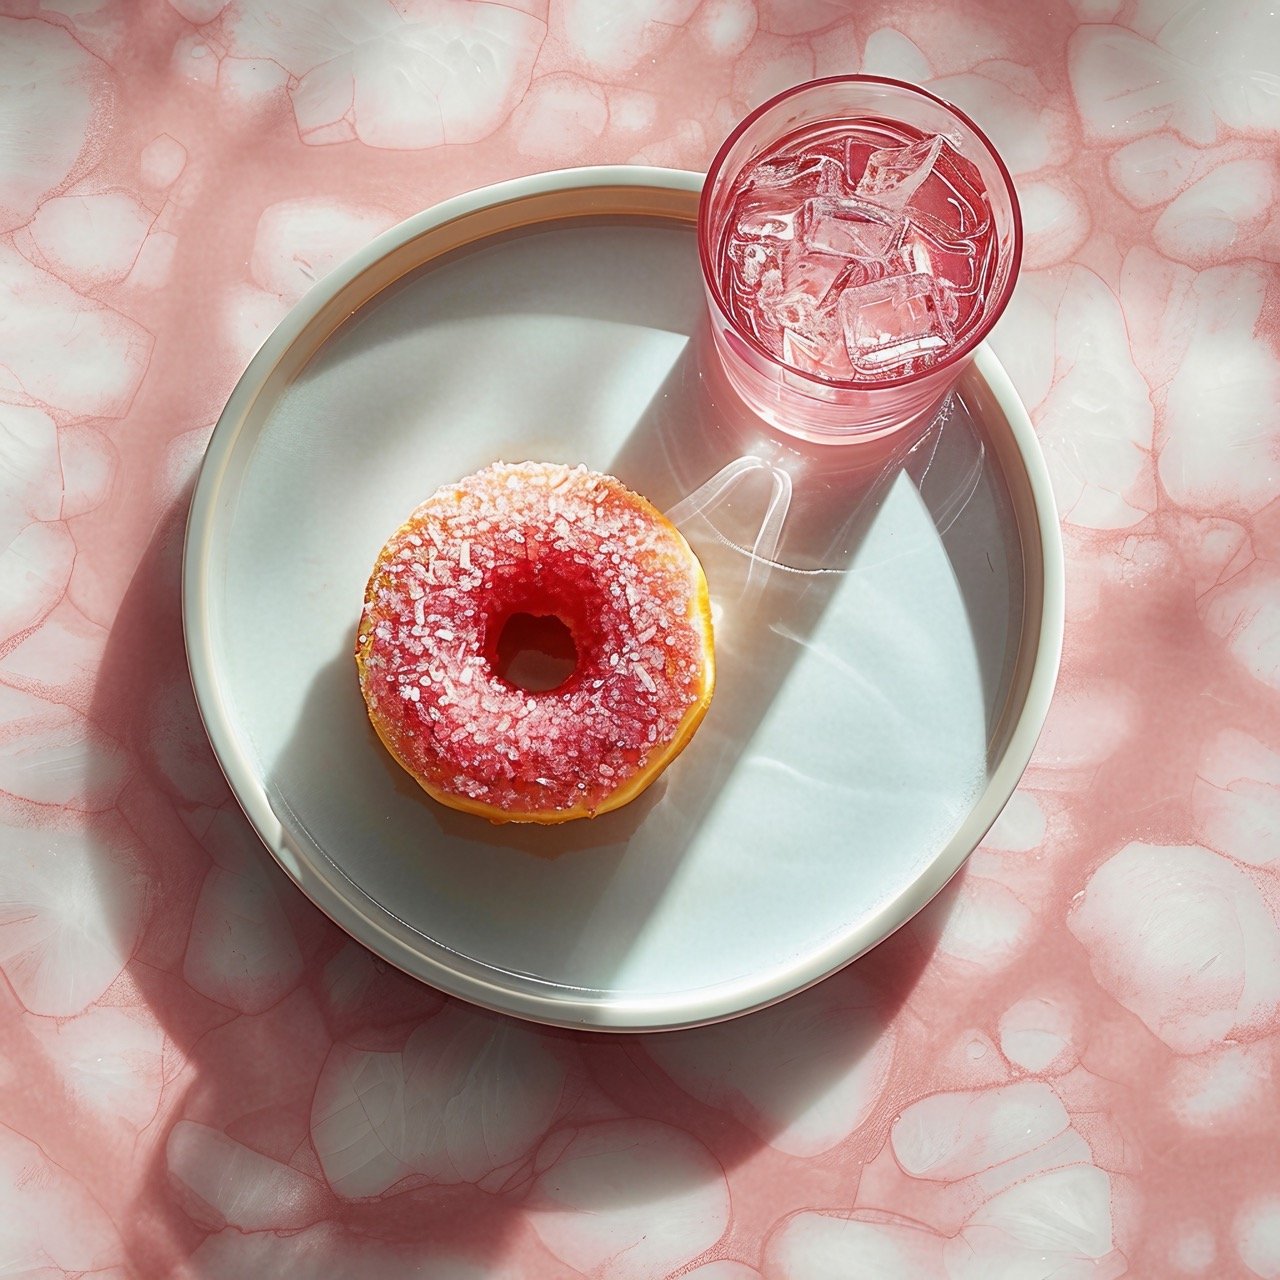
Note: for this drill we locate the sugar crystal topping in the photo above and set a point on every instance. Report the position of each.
(537, 538)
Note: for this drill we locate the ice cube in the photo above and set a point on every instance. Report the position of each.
(766, 224)
(791, 310)
(821, 352)
(954, 210)
(966, 193)
(755, 305)
(770, 286)
(915, 256)
(954, 271)
(798, 311)
(944, 235)
(806, 172)
(850, 228)
(820, 275)
(811, 339)
(764, 215)
(965, 265)
(894, 174)
(957, 213)
(751, 258)
(890, 323)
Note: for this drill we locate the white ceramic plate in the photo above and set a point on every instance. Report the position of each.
(879, 694)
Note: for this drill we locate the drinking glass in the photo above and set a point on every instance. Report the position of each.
(826, 408)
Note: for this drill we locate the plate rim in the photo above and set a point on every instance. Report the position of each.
(700, 1006)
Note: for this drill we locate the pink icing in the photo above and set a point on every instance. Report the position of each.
(542, 539)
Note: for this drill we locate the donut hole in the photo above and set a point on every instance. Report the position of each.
(535, 652)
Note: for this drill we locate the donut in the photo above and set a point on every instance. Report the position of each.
(544, 541)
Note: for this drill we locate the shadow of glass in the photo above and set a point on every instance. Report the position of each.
(697, 424)
(768, 609)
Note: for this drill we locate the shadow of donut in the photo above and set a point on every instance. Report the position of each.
(244, 1046)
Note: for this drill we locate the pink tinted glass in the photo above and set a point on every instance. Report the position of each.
(819, 405)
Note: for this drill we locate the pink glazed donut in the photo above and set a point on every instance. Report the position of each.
(548, 541)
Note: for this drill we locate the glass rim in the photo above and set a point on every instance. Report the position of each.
(962, 350)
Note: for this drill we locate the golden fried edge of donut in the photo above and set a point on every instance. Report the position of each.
(700, 616)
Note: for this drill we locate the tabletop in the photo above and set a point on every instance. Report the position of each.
(1066, 1066)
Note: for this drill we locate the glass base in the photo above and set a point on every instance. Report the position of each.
(843, 415)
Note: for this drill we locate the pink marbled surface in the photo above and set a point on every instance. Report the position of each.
(1066, 1067)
